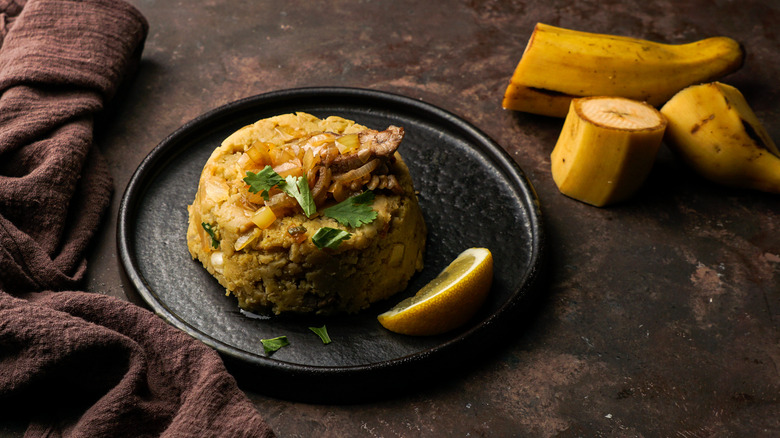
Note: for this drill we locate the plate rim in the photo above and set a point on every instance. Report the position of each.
(137, 184)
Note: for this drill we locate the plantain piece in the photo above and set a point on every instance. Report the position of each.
(606, 149)
(713, 129)
(561, 64)
(536, 100)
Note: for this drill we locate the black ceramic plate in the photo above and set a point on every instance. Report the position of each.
(471, 194)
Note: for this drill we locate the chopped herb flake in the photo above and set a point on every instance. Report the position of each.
(322, 332)
(273, 344)
(327, 237)
(210, 230)
(296, 229)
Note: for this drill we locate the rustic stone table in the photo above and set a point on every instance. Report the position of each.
(658, 316)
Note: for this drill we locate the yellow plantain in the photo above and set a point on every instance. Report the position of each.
(606, 149)
(560, 64)
(714, 130)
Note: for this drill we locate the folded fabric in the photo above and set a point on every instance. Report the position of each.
(75, 363)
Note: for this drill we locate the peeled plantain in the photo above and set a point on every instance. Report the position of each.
(714, 130)
(560, 64)
(606, 149)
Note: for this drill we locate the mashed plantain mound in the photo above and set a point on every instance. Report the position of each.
(259, 245)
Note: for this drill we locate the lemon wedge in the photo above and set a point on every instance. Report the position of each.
(448, 301)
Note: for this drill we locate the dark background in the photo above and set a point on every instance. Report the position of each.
(660, 315)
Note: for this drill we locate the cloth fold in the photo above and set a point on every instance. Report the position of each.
(75, 363)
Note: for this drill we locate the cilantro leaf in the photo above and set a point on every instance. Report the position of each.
(273, 344)
(327, 237)
(295, 186)
(322, 332)
(210, 230)
(366, 197)
(298, 188)
(354, 211)
(263, 181)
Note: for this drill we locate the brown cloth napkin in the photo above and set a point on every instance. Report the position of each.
(82, 364)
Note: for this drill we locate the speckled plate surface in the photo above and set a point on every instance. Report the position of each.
(471, 194)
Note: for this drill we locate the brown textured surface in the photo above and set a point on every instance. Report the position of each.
(661, 314)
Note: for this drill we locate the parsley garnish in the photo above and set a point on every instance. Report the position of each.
(322, 332)
(295, 186)
(298, 188)
(327, 237)
(353, 212)
(273, 344)
(210, 230)
(263, 181)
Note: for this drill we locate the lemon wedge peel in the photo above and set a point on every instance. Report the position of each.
(446, 302)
